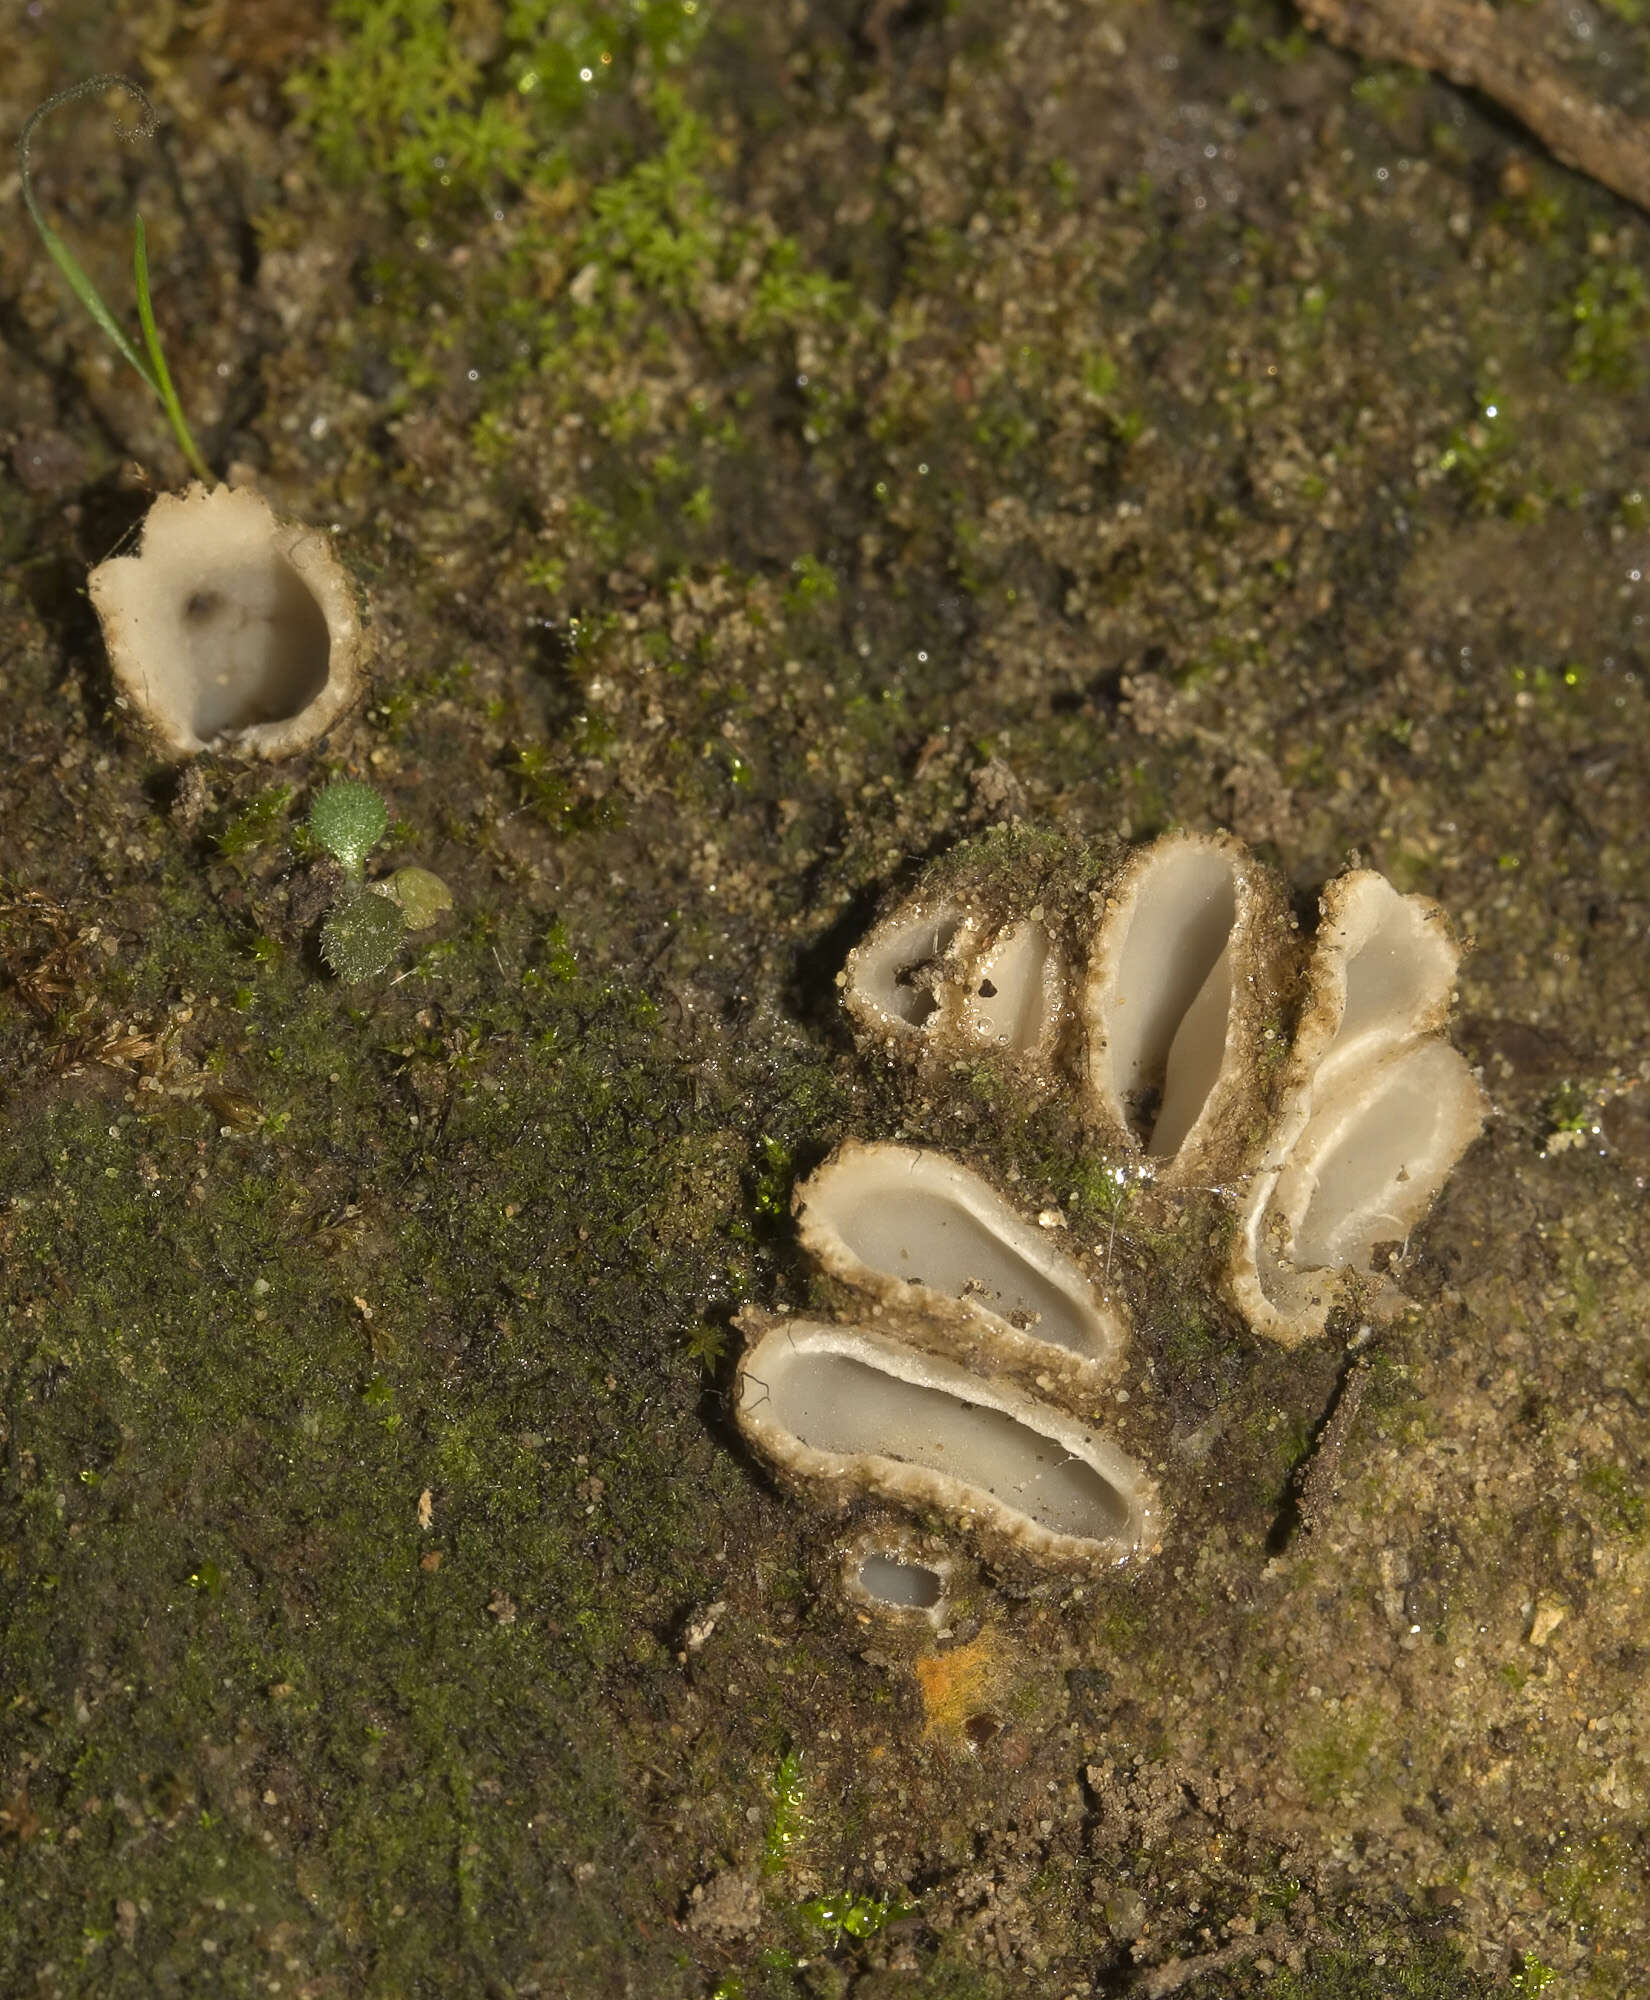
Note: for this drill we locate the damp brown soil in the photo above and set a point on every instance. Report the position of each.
(816, 437)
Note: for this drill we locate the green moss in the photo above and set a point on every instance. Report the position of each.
(787, 1817)
(255, 824)
(815, 584)
(400, 97)
(846, 1914)
(504, 1205)
(1609, 317)
(1379, 1964)
(554, 794)
(1590, 1878)
(659, 223)
(1486, 462)
(235, 1347)
(411, 699)
(1335, 1758)
(1388, 92)
(1626, 1506)
(1531, 1976)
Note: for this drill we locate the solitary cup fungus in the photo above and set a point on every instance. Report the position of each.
(901, 1586)
(230, 630)
(848, 1411)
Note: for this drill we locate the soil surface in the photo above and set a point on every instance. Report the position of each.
(774, 445)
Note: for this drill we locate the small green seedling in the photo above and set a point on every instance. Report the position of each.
(423, 896)
(153, 369)
(368, 922)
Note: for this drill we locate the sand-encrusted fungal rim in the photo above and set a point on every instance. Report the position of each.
(1258, 951)
(938, 932)
(1417, 956)
(1295, 1305)
(962, 1329)
(898, 1542)
(1001, 1530)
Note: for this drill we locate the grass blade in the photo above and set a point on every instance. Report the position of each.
(84, 290)
(161, 382)
(154, 371)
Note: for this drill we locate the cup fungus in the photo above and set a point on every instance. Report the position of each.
(895, 1585)
(935, 975)
(898, 1575)
(1211, 1054)
(1383, 967)
(893, 981)
(1338, 1136)
(919, 1234)
(1376, 1112)
(1015, 989)
(1185, 959)
(230, 630)
(1373, 1153)
(847, 1411)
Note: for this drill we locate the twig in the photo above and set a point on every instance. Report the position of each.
(1480, 49)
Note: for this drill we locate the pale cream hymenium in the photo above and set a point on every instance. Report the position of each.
(230, 630)
(918, 1234)
(1169, 995)
(1375, 1111)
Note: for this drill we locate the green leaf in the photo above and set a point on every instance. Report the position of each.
(84, 290)
(348, 819)
(161, 382)
(362, 936)
(423, 896)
